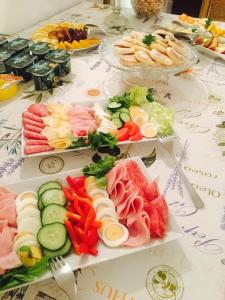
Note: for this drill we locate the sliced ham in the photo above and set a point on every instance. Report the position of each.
(6, 240)
(9, 261)
(31, 149)
(38, 109)
(138, 227)
(131, 206)
(30, 116)
(26, 121)
(9, 213)
(135, 174)
(118, 192)
(151, 191)
(32, 128)
(34, 135)
(36, 142)
(116, 174)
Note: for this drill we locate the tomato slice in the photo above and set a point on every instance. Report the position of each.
(137, 137)
(122, 134)
(132, 127)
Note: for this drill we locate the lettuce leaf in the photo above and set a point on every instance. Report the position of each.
(138, 95)
(160, 116)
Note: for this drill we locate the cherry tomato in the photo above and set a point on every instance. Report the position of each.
(137, 137)
(132, 127)
(122, 134)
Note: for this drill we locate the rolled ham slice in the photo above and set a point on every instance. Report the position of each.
(138, 227)
(36, 142)
(9, 261)
(33, 135)
(31, 149)
(32, 128)
(30, 116)
(38, 109)
(26, 121)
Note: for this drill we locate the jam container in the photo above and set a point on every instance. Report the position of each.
(63, 59)
(3, 40)
(8, 86)
(43, 74)
(18, 64)
(18, 45)
(40, 49)
(5, 54)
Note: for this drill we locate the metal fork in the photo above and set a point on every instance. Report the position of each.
(64, 276)
(167, 144)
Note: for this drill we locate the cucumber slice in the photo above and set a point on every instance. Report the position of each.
(123, 109)
(48, 185)
(117, 122)
(51, 165)
(52, 236)
(40, 205)
(116, 115)
(53, 213)
(124, 117)
(52, 196)
(63, 251)
(114, 105)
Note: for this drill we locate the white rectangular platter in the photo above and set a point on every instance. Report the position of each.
(105, 253)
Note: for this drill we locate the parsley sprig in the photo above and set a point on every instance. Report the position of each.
(208, 22)
(148, 39)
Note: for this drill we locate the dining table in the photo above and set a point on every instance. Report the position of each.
(189, 268)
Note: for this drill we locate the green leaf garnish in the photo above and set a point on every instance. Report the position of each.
(26, 249)
(99, 139)
(208, 22)
(194, 29)
(148, 39)
(101, 168)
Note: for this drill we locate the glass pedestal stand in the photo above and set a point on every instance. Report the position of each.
(116, 22)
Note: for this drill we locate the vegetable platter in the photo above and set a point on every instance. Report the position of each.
(135, 116)
(104, 211)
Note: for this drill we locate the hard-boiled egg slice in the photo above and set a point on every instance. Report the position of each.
(29, 224)
(28, 211)
(26, 195)
(114, 234)
(97, 193)
(106, 221)
(102, 203)
(27, 239)
(107, 212)
(21, 204)
(147, 130)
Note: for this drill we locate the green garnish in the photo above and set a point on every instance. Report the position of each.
(208, 22)
(194, 29)
(101, 168)
(78, 143)
(148, 39)
(23, 274)
(124, 100)
(151, 95)
(99, 139)
(26, 249)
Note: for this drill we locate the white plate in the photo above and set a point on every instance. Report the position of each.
(105, 253)
(209, 52)
(47, 153)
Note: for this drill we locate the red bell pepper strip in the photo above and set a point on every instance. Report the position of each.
(93, 251)
(75, 217)
(96, 224)
(84, 248)
(90, 218)
(73, 236)
(79, 232)
(79, 181)
(73, 199)
(92, 238)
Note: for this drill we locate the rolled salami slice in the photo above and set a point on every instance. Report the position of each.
(37, 149)
(34, 135)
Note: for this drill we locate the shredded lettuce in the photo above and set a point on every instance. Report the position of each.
(161, 116)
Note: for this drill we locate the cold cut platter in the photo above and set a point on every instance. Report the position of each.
(104, 211)
(135, 116)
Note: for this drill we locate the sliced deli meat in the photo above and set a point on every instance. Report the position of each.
(151, 191)
(32, 128)
(33, 117)
(26, 121)
(36, 142)
(38, 109)
(32, 149)
(33, 135)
